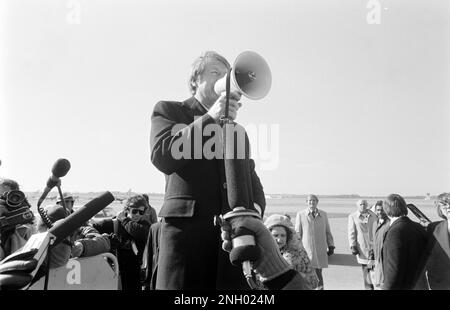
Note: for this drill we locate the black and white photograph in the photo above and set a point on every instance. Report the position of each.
(224, 146)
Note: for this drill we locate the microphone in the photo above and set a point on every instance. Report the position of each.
(64, 228)
(59, 169)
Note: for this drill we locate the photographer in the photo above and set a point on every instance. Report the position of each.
(129, 230)
(15, 218)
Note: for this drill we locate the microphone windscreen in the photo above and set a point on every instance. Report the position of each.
(64, 228)
(61, 167)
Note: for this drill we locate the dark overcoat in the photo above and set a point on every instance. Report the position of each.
(402, 255)
(190, 254)
(437, 266)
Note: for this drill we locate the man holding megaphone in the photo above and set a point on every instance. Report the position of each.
(205, 192)
(196, 189)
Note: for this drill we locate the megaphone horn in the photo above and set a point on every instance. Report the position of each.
(250, 75)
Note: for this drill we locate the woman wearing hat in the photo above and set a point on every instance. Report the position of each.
(291, 248)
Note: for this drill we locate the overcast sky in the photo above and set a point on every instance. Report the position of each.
(361, 107)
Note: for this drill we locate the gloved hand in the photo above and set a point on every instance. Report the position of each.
(354, 250)
(330, 250)
(15, 272)
(271, 264)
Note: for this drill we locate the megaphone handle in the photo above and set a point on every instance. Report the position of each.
(227, 91)
(225, 120)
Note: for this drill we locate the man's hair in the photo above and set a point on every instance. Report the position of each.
(136, 202)
(442, 198)
(199, 66)
(379, 203)
(11, 184)
(360, 201)
(395, 206)
(312, 196)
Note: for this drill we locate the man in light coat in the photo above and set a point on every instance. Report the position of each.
(314, 230)
(360, 238)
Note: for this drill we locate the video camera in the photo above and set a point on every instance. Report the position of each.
(18, 209)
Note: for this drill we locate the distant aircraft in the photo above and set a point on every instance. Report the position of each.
(57, 196)
(120, 199)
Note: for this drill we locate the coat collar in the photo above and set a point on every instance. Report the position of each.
(401, 220)
(441, 235)
(308, 212)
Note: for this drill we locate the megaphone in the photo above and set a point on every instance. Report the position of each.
(250, 76)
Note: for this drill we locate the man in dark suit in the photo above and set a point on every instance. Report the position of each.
(190, 254)
(149, 265)
(403, 248)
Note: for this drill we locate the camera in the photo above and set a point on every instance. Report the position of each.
(18, 210)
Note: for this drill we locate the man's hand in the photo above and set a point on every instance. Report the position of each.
(121, 216)
(354, 250)
(77, 249)
(423, 222)
(218, 108)
(330, 250)
(271, 264)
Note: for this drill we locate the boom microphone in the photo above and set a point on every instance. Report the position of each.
(59, 169)
(64, 228)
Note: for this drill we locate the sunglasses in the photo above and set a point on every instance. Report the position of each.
(136, 211)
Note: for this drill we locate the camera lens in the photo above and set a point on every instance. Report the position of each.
(14, 198)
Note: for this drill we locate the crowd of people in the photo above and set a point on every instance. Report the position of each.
(394, 251)
(190, 246)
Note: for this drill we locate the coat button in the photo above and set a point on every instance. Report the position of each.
(225, 185)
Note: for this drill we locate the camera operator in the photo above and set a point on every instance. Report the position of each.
(68, 201)
(15, 218)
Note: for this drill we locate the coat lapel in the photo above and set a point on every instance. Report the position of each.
(195, 106)
(441, 235)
